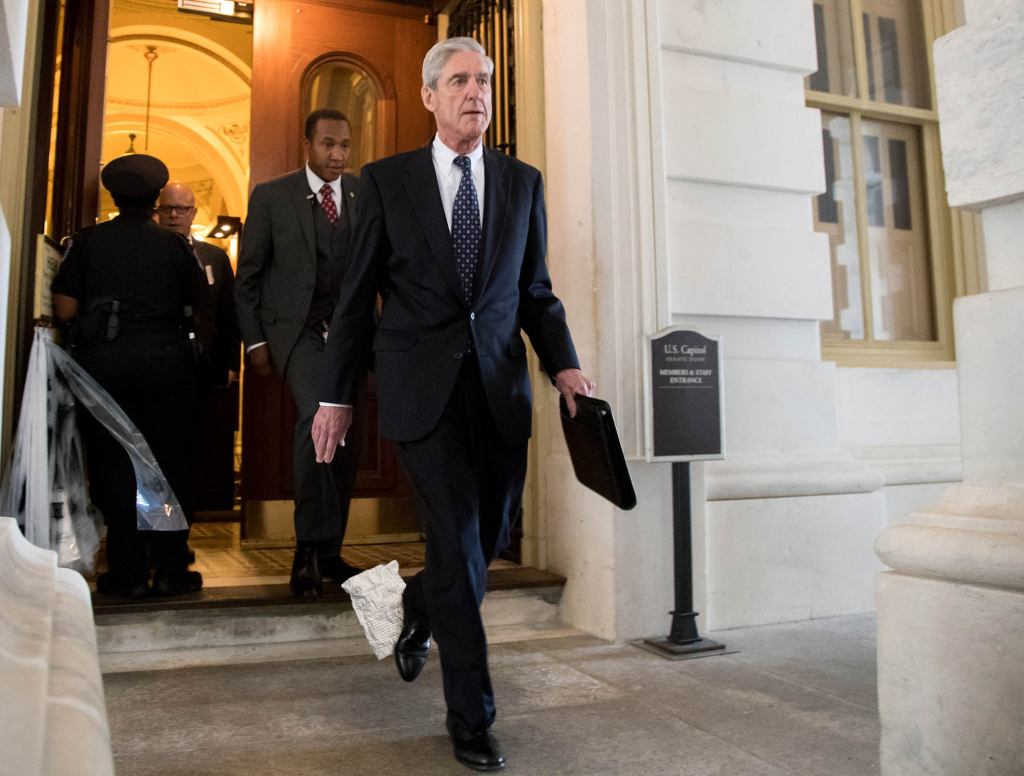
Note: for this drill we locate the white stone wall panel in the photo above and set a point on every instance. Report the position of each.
(779, 406)
(739, 124)
(990, 342)
(731, 269)
(898, 407)
(777, 560)
(776, 34)
(764, 338)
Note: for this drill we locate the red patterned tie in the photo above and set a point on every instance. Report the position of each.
(327, 203)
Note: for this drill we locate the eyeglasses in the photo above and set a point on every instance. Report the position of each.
(167, 210)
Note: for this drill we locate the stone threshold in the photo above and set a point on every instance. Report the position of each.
(265, 623)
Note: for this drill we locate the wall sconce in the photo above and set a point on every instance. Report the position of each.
(226, 226)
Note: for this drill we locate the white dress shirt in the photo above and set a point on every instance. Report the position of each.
(449, 176)
(316, 183)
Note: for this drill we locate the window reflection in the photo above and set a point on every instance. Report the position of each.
(894, 50)
(835, 214)
(836, 68)
(898, 255)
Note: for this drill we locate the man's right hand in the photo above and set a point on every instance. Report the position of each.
(259, 357)
(330, 425)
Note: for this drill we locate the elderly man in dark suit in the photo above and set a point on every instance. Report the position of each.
(294, 254)
(453, 237)
(176, 210)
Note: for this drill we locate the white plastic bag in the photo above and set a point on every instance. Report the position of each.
(377, 599)
(46, 484)
(26, 491)
(157, 506)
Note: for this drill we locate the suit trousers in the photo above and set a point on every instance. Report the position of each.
(322, 491)
(468, 484)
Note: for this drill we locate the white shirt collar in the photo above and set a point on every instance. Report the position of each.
(316, 183)
(444, 157)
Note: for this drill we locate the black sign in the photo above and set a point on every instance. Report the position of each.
(686, 400)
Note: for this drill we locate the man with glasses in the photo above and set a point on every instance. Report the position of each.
(176, 211)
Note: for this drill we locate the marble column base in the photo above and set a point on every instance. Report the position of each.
(950, 646)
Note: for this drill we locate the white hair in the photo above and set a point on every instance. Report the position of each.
(442, 51)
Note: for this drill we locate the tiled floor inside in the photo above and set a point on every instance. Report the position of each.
(795, 699)
(225, 562)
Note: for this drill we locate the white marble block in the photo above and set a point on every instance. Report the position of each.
(990, 346)
(782, 559)
(979, 74)
(53, 720)
(950, 684)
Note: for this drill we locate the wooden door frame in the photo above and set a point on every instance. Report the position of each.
(78, 143)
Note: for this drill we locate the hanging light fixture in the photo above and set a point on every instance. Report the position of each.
(151, 57)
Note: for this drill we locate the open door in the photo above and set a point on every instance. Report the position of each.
(363, 58)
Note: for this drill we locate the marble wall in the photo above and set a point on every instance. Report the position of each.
(681, 165)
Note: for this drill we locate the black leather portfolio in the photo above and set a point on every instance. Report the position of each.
(595, 451)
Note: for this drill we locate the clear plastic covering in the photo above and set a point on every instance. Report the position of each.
(51, 501)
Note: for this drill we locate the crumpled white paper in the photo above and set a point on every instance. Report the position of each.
(377, 599)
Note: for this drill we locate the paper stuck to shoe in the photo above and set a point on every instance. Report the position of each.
(377, 599)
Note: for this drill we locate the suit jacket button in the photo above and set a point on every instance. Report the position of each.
(458, 355)
(472, 316)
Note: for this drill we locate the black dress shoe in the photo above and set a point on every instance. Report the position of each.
(481, 752)
(177, 584)
(337, 569)
(412, 647)
(111, 585)
(306, 581)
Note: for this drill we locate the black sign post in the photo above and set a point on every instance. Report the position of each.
(684, 423)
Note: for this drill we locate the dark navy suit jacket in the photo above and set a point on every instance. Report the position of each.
(402, 249)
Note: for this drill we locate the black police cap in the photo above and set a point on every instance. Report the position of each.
(135, 175)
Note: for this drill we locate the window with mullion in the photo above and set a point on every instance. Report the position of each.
(874, 207)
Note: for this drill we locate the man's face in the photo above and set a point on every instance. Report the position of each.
(461, 103)
(327, 153)
(177, 208)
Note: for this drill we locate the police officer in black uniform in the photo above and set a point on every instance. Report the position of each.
(136, 300)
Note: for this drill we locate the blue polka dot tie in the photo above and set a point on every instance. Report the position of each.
(466, 228)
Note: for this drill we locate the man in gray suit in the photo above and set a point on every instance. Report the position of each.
(294, 254)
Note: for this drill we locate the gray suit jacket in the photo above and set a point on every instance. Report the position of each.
(277, 261)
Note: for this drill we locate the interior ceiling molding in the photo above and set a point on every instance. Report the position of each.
(209, 151)
(179, 107)
(160, 38)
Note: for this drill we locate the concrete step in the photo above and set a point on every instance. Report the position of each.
(147, 638)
